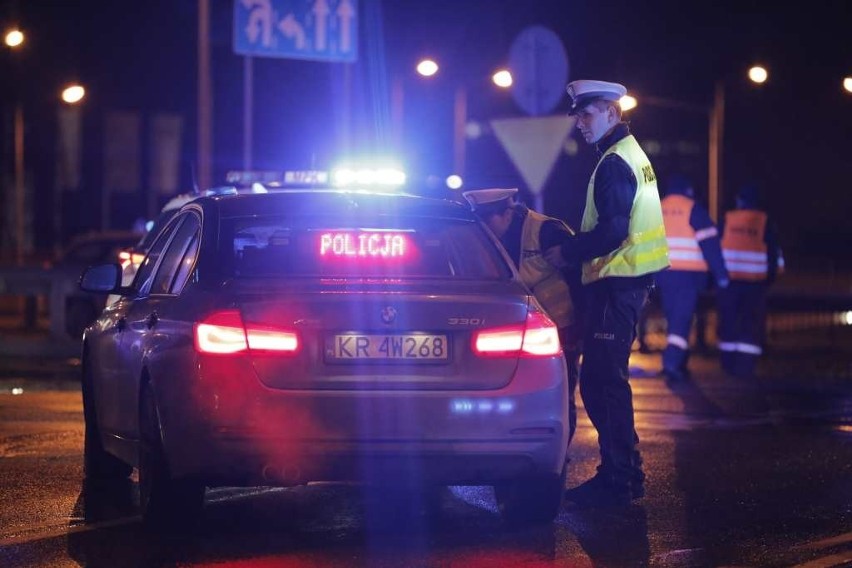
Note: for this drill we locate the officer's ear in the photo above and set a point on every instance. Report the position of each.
(613, 112)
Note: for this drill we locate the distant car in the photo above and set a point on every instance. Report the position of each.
(83, 251)
(324, 335)
(131, 257)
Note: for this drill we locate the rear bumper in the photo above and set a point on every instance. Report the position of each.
(259, 436)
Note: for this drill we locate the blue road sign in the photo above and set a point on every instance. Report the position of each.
(322, 30)
(539, 68)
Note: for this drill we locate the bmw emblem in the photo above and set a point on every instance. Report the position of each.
(388, 314)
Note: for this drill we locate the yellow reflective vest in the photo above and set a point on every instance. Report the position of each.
(544, 280)
(645, 249)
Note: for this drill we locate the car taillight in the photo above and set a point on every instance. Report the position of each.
(542, 336)
(225, 332)
(536, 337)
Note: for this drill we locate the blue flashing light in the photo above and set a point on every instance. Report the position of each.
(221, 190)
(368, 177)
(305, 177)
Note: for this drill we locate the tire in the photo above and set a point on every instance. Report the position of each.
(98, 464)
(531, 501)
(165, 502)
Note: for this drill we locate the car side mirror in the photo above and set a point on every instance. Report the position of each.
(102, 279)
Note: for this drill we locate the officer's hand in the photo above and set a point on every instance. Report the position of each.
(553, 255)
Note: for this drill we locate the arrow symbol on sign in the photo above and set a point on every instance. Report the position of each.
(292, 30)
(345, 13)
(321, 12)
(260, 21)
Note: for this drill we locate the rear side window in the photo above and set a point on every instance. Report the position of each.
(417, 248)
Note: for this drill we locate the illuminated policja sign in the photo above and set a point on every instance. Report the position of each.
(362, 244)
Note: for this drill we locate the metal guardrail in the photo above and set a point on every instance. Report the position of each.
(787, 311)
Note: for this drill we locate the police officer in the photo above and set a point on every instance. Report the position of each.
(694, 250)
(524, 234)
(621, 244)
(754, 259)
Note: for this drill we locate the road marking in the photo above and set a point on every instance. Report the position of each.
(826, 542)
(62, 530)
(216, 495)
(833, 561)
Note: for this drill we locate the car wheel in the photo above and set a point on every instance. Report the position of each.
(98, 464)
(532, 500)
(165, 502)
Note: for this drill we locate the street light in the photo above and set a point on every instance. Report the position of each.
(14, 37)
(502, 78)
(627, 102)
(73, 94)
(847, 84)
(427, 67)
(716, 114)
(758, 74)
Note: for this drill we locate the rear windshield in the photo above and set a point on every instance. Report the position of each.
(260, 247)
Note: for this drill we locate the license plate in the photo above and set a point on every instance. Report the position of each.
(398, 347)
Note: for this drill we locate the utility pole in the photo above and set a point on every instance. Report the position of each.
(205, 97)
(717, 133)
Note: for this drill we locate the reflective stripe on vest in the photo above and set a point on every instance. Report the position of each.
(542, 278)
(645, 249)
(743, 246)
(682, 239)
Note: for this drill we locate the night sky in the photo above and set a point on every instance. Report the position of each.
(792, 135)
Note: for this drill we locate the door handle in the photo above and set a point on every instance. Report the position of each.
(152, 320)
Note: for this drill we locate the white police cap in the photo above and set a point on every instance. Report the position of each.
(479, 197)
(585, 91)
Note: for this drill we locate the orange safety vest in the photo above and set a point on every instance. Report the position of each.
(684, 253)
(743, 245)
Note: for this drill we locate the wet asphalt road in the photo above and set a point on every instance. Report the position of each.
(738, 475)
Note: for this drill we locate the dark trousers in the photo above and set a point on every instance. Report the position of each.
(742, 326)
(679, 290)
(610, 329)
(571, 341)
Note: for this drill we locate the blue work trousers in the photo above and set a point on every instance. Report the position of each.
(679, 291)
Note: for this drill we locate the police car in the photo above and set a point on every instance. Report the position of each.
(333, 334)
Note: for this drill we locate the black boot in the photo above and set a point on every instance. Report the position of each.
(600, 492)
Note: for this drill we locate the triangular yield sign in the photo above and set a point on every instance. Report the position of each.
(533, 144)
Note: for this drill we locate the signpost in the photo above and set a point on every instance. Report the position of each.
(319, 30)
(539, 68)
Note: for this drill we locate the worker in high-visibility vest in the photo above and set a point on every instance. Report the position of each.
(525, 234)
(753, 259)
(620, 246)
(695, 252)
